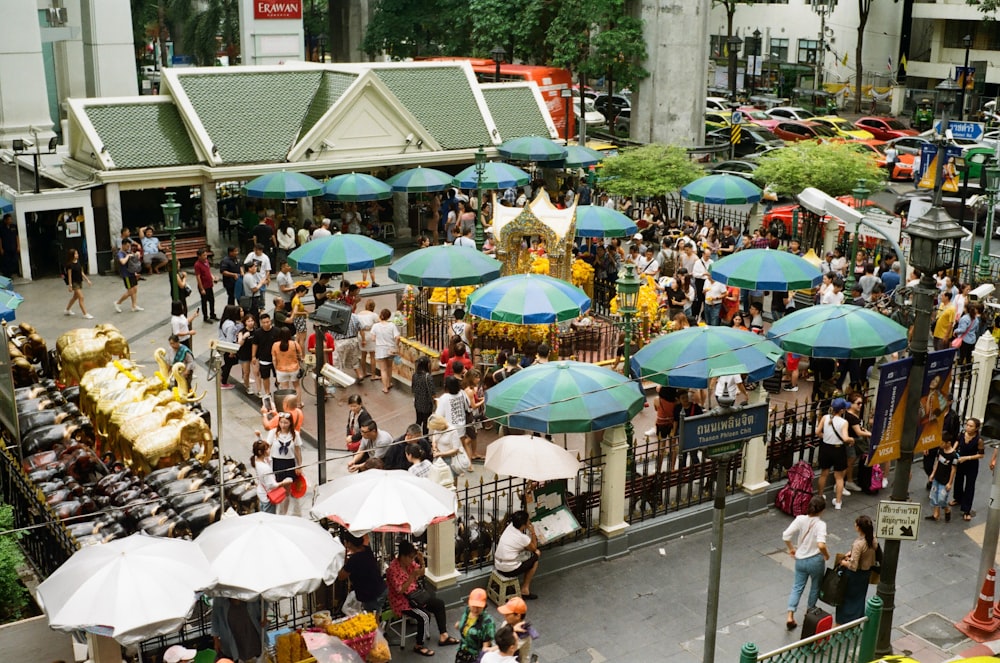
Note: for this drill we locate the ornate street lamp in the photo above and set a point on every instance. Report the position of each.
(567, 95)
(498, 54)
(992, 188)
(860, 194)
(928, 235)
(733, 43)
(628, 305)
(480, 172)
(967, 43)
(171, 221)
(756, 61)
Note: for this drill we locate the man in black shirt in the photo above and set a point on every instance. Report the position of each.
(263, 340)
(319, 290)
(230, 269)
(263, 234)
(727, 244)
(861, 437)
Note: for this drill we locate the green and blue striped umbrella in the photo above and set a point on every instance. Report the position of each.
(764, 269)
(445, 266)
(528, 299)
(691, 357)
(10, 299)
(356, 187)
(340, 253)
(838, 331)
(6, 206)
(532, 148)
(601, 221)
(496, 175)
(577, 156)
(722, 190)
(419, 180)
(282, 185)
(565, 397)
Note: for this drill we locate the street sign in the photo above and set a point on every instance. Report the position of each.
(897, 520)
(737, 117)
(732, 425)
(966, 130)
(735, 134)
(886, 225)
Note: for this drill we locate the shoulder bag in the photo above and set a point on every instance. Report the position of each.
(833, 587)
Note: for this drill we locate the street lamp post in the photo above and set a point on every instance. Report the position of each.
(480, 171)
(964, 78)
(171, 219)
(498, 54)
(992, 188)
(860, 193)
(752, 69)
(567, 95)
(929, 232)
(734, 48)
(627, 294)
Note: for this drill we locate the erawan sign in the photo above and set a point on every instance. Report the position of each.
(264, 9)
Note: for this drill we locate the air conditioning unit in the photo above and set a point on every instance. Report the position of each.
(57, 16)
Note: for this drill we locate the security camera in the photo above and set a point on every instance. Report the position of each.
(983, 291)
(948, 134)
(409, 138)
(226, 346)
(336, 376)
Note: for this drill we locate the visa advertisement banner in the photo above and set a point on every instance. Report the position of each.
(934, 399)
(928, 167)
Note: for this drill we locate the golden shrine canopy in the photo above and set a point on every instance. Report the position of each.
(515, 228)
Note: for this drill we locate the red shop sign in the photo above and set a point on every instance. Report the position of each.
(266, 9)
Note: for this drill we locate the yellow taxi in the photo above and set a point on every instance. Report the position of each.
(718, 120)
(843, 127)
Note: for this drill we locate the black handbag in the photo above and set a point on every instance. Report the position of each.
(419, 597)
(833, 587)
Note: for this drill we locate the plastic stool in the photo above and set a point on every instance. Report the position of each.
(500, 588)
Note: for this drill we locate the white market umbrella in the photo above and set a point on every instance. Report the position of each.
(532, 458)
(269, 556)
(384, 501)
(130, 589)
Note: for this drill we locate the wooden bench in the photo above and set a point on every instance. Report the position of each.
(187, 248)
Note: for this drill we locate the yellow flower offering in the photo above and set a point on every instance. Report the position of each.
(540, 265)
(583, 273)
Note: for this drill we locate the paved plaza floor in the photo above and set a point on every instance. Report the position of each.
(648, 605)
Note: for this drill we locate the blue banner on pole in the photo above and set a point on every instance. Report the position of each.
(935, 399)
(887, 416)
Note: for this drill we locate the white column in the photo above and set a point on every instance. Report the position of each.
(24, 102)
(210, 215)
(91, 235)
(305, 210)
(113, 195)
(108, 48)
(755, 455)
(22, 236)
(984, 360)
(615, 448)
(103, 649)
(441, 571)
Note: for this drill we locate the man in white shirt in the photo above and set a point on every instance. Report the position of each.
(323, 230)
(699, 270)
(649, 266)
(728, 385)
(517, 552)
(715, 292)
(466, 239)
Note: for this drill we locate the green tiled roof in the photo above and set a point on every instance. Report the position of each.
(515, 112)
(252, 116)
(143, 135)
(442, 100)
(331, 88)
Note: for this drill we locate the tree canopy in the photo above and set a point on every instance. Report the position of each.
(598, 38)
(833, 168)
(650, 170)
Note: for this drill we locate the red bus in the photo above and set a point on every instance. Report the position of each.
(551, 82)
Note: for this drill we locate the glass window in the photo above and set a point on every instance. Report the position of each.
(808, 49)
(778, 48)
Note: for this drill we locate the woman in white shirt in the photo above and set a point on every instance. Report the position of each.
(286, 452)
(810, 553)
(386, 337)
(260, 463)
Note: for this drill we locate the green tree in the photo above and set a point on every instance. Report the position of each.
(516, 25)
(833, 168)
(13, 595)
(987, 7)
(218, 25)
(405, 29)
(651, 170)
(730, 6)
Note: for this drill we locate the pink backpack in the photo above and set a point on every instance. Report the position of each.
(794, 496)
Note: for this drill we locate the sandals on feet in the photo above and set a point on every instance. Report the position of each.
(967, 517)
(447, 642)
(423, 651)
(791, 626)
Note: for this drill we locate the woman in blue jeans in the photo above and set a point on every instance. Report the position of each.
(810, 553)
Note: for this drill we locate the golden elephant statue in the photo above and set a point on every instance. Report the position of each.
(175, 441)
(98, 381)
(126, 412)
(163, 408)
(81, 333)
(79, 355)
(111, 400)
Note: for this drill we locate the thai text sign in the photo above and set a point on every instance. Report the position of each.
(267, 9)
(897, 520)
(715, 429)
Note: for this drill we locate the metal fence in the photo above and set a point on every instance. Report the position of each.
(664, 479)
(431, 326)
(841, 644)
(47, 544)
(484, 509)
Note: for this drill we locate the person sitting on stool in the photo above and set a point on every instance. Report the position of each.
(517, 552)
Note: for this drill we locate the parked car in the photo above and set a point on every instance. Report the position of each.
(975, 159)
(884, 128)
(908, 144)
(784, 214)
(975, 215)
(843, 127)
(612, 106)
(717, 120)
(744, 169)
(758, 117)
(717, 103)
(791, 113)
(752, 140)
(793, 131)
(592, 117)
(903, 167)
